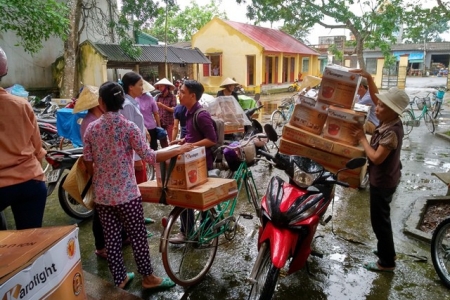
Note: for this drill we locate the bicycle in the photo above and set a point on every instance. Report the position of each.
(440, 251)
(188, 263)
(282, 114)
(410, 120)
(437, 98)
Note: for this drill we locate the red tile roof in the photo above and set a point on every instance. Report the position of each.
(272, 39)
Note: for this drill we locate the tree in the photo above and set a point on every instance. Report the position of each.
(34, 22)
(373, 24)
(182, 24)
(297, 30)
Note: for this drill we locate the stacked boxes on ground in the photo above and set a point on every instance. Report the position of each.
(320, 129)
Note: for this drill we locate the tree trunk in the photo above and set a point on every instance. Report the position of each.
(359, 53)
(71, 45)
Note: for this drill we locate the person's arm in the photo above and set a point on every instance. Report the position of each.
(205, 122)
(176, 122)
(36, 139)
(157, 119)
(375, 156)
(167, 153)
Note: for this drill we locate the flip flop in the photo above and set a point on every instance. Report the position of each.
(149, 234)
(128, 279)
(165, 283)
(148, 221)
(375, 267)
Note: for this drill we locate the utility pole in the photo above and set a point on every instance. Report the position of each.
(165, 48)
(424, 73)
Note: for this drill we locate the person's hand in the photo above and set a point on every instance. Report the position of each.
(177, 142)
(362, 72)
(186, 147)
(160, 105)
(147, 136)
(138, 165)
(357, 130)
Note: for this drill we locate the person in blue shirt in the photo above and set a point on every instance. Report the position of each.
(179, 115)
(365, 98)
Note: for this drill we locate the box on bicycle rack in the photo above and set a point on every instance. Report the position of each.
(201, 197)
(190, 169)
(309, 115)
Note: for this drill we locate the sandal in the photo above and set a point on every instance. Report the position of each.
(130, 276)
(149, 234)
(374, 266)
(101, 253)
(148, 221)
(165, 283)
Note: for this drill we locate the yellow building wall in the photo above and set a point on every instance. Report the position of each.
(92, 66)
(217, 37)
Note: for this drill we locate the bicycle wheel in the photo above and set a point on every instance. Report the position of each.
(187, 263)
(266, 276)
(436, 109)
(277, 119)
(407, 120)
(429, 122)
(253, 194)
(440, 251)
(70, 205)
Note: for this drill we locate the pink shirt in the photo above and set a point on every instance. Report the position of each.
(148, 107)
(21, 149)
(109, 143)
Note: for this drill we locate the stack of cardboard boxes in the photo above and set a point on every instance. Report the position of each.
(320, 129)
(188, 184)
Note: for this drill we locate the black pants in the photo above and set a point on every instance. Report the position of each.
(153, 139)
(380, 211)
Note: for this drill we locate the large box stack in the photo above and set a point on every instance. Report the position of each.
(320, 129)
(41, 263)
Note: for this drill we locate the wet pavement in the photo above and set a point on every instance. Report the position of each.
(346, 242)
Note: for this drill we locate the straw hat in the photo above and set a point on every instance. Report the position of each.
(148, 87)
(395, 99)
(88, 99)
(76, 182)
(228, 81)
(164, 81)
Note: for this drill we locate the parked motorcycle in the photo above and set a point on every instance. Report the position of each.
(291, 212)
(61, 161)
(295, 86)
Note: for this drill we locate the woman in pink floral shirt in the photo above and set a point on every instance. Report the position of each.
(108, 151)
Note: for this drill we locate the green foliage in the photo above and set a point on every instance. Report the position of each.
(34, 21)
(338, 55)
(182, 24)
(426, 24)
(297, 30)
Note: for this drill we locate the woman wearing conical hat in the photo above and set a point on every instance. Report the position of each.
(228, 86)
(166, 102)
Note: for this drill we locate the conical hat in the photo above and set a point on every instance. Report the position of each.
(228, 81)
(164, 81)
(148, 87)
(88, 99)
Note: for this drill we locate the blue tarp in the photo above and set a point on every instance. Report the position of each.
(68, 125)
(412, 55)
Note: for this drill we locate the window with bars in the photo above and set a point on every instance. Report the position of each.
(215, 68)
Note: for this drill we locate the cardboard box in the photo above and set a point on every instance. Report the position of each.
(190, 170)
(309, 115)
(354, 180)
(312, 140)
(339, 123)
(41, 263)
(322, 157)
(339, 87)
(201, 197)
(233, 128)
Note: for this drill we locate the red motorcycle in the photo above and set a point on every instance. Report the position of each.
(291, 212)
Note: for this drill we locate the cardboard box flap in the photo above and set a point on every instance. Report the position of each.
(19, 248)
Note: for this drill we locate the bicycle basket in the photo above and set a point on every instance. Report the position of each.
(420, 102)
(440, 94)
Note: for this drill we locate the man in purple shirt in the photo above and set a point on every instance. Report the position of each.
(190, 93)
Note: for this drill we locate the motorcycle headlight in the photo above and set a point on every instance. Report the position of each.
(303, 179)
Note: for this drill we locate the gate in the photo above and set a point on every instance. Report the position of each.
(389, 78)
